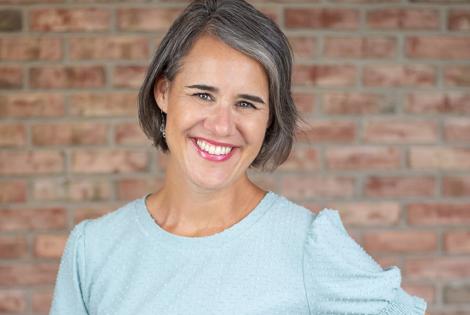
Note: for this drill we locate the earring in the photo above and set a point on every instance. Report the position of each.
(162, 126)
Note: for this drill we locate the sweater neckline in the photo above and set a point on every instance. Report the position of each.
(189, 243)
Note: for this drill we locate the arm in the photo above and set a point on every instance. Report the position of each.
(68, 295)
(341, 277)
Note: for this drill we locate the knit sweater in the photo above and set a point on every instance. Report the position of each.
(279, 259)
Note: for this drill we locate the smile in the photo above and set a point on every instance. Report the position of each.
(212, 152)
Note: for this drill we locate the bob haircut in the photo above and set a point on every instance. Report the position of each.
(241, 26)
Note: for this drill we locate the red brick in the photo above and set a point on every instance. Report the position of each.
(354, 103)
(425, 291)
(65, 133)
(441, 158)
(28, 274)
(457, 129)
(438, 213)
(108, 48)
(11, 20)
(271, 12)
(457, 242)
(364, 1)
(70, 20)
(109, 161)
(33, 219)
(30, 48)
(13, 190)
(459, 20)
(456, 293)
(13, 247)
(362, 157)
(25, 2)
(456, 186)
(11, 77)
(368, 213)
(74, 189)
(438, 102)
(276, 1)
(83, 76)
(92, 212)
(130, 133)
(398, 18)
(12, 301)
(146, 19)
(321, 18)
(103, 104)
(395, 186)
(438, 47)
(400, 241)
(49, 245)
(132, 188)
(360, 47)
(399, 75)
(437, 268)
(306, 187)
(42, 300)
(12, 135)
(305, 102)
(327, 131)
(303, 46)
(325, 75)
(31, 105)
(129, 76)
(31, 162)
(302, 158)
(398, 130)
(457, 75)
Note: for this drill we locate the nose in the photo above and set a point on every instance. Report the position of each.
(220, 120)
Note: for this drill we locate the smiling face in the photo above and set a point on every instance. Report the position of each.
(217, 109)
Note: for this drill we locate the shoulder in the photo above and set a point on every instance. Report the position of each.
(289, 215)
(113, 222)
(99, 235)
(341, 277)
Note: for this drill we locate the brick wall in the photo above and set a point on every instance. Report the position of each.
(384, 86)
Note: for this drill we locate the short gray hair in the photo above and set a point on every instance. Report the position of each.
(244, 28)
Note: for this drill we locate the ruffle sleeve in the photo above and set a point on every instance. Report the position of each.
(340, 277)
(68, 296)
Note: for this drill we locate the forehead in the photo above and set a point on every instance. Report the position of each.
(213, 62)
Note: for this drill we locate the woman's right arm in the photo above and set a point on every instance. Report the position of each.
(69, 297)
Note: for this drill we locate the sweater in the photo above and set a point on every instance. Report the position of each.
(281, 258)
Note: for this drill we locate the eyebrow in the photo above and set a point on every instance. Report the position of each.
(209, 88)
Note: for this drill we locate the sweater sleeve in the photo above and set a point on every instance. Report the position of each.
(68, 297)
(340, 277)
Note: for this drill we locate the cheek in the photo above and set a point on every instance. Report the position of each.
(255, 132)
(184, 115)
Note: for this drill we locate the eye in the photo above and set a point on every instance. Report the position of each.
(203, 96)
(245, 104)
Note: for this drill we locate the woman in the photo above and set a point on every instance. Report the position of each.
(217, 100)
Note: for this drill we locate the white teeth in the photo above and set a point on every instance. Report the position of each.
(212, 149)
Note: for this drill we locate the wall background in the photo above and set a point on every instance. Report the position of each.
(383, 84)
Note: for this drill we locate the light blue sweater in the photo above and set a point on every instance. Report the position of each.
(280, 259)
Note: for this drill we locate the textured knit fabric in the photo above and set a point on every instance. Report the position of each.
(279, 259)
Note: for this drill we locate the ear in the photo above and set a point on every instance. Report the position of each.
(160, 93)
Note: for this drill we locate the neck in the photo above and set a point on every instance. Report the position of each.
(184, 209)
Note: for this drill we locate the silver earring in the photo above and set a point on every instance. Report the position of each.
(162, 126)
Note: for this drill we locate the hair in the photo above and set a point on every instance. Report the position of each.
(244, 28)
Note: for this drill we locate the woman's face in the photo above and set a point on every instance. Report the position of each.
(217, 113)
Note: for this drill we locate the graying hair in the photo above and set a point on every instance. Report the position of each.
(241, 26)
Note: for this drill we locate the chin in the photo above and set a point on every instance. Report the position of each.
(211, 182)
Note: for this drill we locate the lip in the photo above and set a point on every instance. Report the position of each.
(212, 157)
(220, 144)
